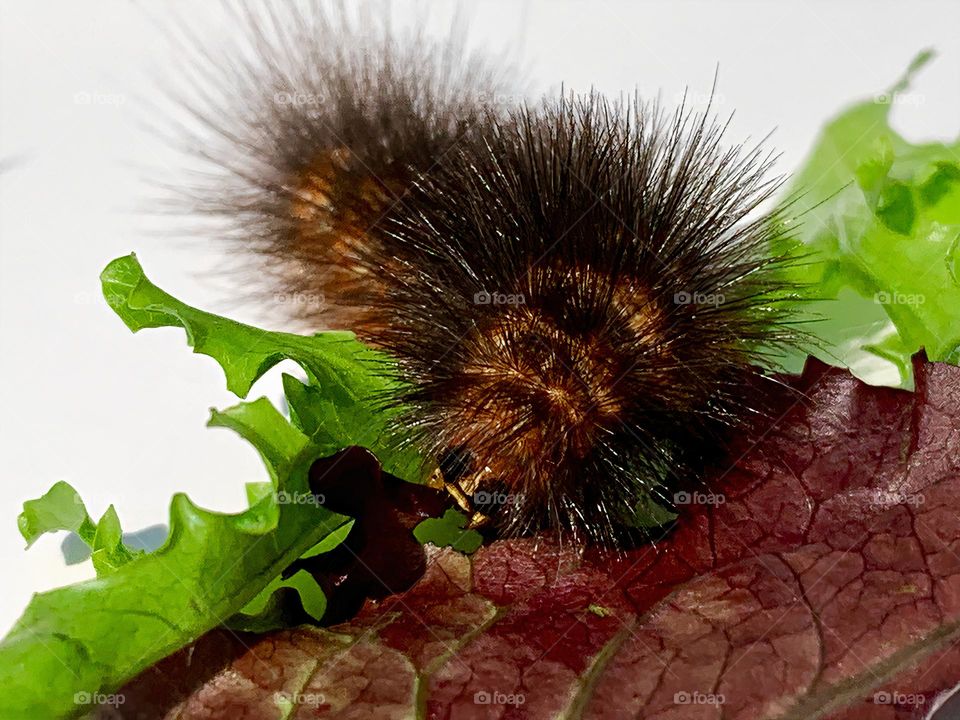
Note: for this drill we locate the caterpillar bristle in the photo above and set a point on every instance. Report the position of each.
(579, 294)
(319, 134)
(586, 295)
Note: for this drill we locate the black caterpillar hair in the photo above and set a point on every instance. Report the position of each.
(579, 294)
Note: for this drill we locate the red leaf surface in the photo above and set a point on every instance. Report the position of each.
(822, 579)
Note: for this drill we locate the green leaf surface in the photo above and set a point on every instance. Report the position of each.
(449, 531)
(109, 552)
(91, 637)
(879, 222)
(60, 508)
(348, 379)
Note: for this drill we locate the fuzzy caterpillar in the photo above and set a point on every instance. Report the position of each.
(578, 293)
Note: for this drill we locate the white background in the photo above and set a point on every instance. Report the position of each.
(121, 417)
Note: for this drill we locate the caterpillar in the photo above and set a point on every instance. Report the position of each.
(578, 292)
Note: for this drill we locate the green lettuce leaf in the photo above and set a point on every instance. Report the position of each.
(60, 508)
(449, 531)
(348, 379)
(878, 219)
(84, 640)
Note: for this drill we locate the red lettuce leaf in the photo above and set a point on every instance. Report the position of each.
(822, 580)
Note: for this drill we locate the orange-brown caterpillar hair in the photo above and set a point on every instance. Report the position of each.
(578, 294)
